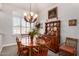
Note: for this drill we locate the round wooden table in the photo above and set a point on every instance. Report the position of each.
(27, 43)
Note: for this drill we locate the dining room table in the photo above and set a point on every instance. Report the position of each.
(26, 42)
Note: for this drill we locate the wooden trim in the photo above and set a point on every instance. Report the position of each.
(9, 44)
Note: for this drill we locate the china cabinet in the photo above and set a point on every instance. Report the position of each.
(52, 30)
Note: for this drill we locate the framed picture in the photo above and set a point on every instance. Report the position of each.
(72, 22)
(52, 13)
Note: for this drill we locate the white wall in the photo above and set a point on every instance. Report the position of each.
(6, 30)
(6, 23)
(65, 12)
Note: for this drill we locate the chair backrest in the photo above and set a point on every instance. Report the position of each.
(18, 42)
(71, 42)
(43, 50)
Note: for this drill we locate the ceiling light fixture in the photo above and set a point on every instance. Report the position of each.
(30, 16)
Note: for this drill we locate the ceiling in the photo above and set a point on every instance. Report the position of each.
(20, 8)
(36, 7)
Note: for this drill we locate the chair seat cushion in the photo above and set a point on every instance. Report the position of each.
(68, 49)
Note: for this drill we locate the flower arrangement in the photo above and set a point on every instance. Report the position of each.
(35, 31)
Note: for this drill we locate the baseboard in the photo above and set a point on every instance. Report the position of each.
(9, 44)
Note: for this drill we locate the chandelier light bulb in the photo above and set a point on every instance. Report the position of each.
(29, 17)
(36, 15)
(31, 13)
(25, 14)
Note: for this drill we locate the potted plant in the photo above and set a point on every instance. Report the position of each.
(34, 32)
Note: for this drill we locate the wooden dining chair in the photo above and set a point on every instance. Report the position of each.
(43, 50)
(43, 47)
(40, 51)
(69, 48)
(22, 51)
(35, 51)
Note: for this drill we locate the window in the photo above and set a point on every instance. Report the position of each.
(20, 26)
(16, 25)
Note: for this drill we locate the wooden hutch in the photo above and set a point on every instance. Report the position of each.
(52, 30)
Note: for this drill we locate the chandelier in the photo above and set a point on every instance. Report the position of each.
(30, 16)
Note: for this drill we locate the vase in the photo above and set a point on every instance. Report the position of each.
(31, 40)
